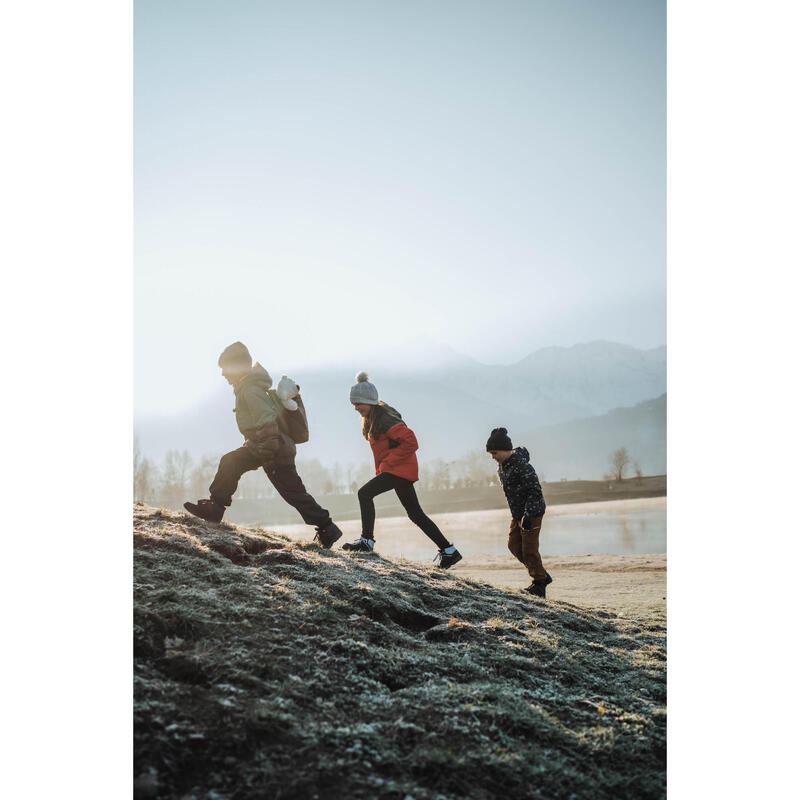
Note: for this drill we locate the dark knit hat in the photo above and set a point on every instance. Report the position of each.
(499, 440)
(235, 355)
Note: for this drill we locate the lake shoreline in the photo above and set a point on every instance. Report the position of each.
(630, 585)
(344, 507)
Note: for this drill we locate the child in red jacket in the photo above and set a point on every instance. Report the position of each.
(394, 448)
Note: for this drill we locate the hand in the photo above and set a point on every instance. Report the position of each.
(525, 523)
(264, 449)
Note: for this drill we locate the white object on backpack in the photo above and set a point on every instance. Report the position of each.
(286, 390)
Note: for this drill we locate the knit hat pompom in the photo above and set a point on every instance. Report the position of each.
(364, 391)
(499, 440)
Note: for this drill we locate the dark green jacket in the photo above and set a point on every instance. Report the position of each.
(257, 418)
(254, 409)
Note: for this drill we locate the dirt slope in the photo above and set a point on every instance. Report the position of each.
(265, 668)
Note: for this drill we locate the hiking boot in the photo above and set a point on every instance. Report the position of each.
(539, 588)
(446, 560)
(206, 509)
(328, 534)
(361, 545)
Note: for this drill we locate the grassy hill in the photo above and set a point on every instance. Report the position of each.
(271, 669)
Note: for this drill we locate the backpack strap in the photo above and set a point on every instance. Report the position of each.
(281, 419)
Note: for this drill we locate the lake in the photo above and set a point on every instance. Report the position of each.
(620, 527)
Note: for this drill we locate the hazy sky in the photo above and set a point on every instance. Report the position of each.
(324, 180)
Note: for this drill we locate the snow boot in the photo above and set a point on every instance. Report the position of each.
(539, 588)
(446, 560)
(361, 545)
(328, 534)
(206, 509)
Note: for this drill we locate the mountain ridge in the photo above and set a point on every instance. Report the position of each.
(451, 408)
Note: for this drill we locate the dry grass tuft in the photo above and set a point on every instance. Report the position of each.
(271, 669)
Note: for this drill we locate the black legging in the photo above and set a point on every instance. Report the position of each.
(408, 497)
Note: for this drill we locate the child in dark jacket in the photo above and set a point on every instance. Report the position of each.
(394, 449)
(526, 501)
(266, 445)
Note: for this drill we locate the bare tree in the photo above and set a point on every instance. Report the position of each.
(364, 472)
(441, 474)
(638, 472)
(174, 484)
(619, 459)
(313, 474)
(202, 475)
(475, 468)
(145, 474)
(425, 477)
(337, 477)
(137, 464)
(184, 463)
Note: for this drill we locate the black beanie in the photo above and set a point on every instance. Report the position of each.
(499, 440)
(235, 354)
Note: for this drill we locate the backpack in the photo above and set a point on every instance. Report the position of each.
(293, 423)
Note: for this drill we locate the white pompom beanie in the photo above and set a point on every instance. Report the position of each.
(364, 391)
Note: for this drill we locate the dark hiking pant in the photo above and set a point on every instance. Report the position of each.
(408, 497)
(524, 545)
(283, 477)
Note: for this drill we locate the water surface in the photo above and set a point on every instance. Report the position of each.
(621, 527)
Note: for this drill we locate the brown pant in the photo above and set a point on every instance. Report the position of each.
(524, 545)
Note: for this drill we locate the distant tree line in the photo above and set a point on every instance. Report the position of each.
(179, 476)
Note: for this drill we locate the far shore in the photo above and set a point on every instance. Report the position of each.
(344, 506)
(597, 506)
(454, 519)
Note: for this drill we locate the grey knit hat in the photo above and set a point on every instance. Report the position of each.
(364, 391)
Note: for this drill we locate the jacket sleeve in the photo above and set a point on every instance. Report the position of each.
(261, 408)
(407, 444)
(534, 499)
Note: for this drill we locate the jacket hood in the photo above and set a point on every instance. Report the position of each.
(519, 457)
(257, 377)
(387, 417)
(393, 412)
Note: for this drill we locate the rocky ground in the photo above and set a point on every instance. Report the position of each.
(270, 668)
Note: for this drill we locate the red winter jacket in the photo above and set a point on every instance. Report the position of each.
(395, 452)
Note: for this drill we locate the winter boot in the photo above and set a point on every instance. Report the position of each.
(539, 588)
(206, 509)
(361, 545)
(446, 560)
(328, 534)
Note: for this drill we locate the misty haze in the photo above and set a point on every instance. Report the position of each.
(444, 222)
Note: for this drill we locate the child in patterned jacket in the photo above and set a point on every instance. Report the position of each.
(526, 501)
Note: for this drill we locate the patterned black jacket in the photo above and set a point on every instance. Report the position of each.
(521, 485)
